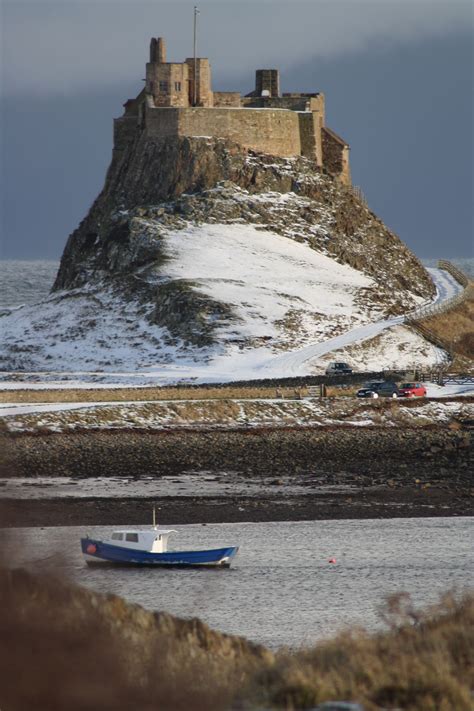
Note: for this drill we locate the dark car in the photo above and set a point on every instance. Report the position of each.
(338, 368)
(385, 388)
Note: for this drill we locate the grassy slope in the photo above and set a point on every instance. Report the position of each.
(456, 328)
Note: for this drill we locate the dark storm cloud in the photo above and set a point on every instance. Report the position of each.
(397, 78)
(68, 45)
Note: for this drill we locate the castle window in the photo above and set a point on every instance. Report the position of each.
(177, 86)
(164, 86)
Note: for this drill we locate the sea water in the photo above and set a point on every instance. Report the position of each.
(23, 282)
(281, 589)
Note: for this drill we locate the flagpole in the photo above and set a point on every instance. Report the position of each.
(196, 12)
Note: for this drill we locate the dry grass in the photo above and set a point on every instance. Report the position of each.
(142, 394)
(456, 328)
(64, 647)
(425, 661)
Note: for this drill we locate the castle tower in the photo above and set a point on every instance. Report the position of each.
(166, 82)
(203, 81)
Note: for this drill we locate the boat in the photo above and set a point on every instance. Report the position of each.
(150, 547)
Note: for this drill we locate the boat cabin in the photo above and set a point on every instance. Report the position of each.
(153, 540)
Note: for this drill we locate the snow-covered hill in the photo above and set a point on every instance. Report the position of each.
(219, 275)
(279, 295)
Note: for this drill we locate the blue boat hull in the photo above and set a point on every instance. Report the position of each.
(107, 553)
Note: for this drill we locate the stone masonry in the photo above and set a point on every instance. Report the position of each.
(178, 100)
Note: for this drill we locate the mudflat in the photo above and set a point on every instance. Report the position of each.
(374, 502)
(302, 473)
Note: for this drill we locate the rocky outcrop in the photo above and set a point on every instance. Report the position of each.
(155, 186)
(199, 252)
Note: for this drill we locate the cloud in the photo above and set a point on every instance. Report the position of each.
(64, 46)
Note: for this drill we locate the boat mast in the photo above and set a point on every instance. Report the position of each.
(154, 517)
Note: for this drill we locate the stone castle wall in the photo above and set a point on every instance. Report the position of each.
(274, 131)
(335, 154)
(310, 136)
(271, 131)
(203, 82)
(292, 102)
(168, 84)
(227, 98)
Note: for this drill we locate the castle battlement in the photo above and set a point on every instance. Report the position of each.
(178, 100)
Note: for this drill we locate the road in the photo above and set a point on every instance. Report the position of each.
(291, 363)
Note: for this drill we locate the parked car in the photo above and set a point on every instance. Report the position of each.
(338, 368)
(412, 390)
(382, 388)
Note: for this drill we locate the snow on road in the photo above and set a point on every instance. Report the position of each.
(446, 285)
(294, 363)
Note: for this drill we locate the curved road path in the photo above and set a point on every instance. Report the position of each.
(291, 363)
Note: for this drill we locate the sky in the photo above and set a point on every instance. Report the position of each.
(397, 75)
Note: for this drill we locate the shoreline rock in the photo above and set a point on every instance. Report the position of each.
(120, 452)
(391, 473)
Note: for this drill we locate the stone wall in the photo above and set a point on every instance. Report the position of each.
(203, 87)
(161, 122)
(227, 98)
(270, 131)
(335, 155)
(168, 83)
(369, 451)
(310, 136)
(317, 103)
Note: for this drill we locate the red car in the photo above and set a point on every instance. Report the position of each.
(412, 390)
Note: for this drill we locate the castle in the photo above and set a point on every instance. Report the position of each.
(178, 100)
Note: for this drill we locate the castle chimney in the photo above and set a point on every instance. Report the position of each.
(157, 50)
(268, 81)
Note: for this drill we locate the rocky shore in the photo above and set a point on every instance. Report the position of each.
(367, 450)
(350, 472)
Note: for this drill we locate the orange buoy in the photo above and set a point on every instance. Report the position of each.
(91, 548)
